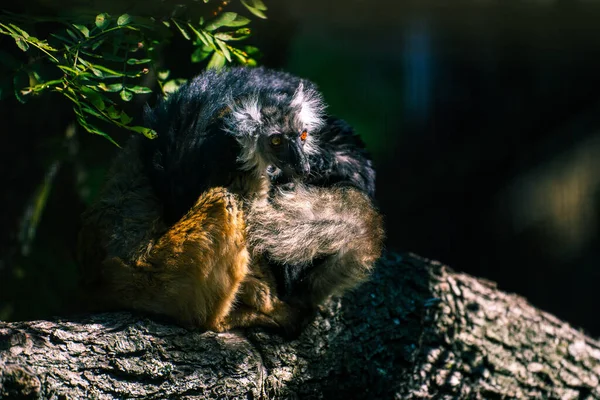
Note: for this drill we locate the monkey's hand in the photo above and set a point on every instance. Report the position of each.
(335, 235)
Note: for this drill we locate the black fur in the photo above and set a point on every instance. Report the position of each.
(194, 151)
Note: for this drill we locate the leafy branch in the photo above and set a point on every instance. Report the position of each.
(99, 63)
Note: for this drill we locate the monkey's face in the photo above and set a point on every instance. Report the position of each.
(276, 131)
(284, 154)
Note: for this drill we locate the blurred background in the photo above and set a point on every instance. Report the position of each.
(483, 119)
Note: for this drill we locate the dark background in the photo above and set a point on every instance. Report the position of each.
(482, 117)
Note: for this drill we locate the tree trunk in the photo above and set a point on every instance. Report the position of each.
(416, 330)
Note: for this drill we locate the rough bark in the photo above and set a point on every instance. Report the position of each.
(416, 330)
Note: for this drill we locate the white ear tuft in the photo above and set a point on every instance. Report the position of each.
(309, 106)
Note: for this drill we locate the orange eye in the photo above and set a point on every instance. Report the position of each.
(276, 140)
(304, 135)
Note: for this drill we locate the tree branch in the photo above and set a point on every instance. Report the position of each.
(416, 330)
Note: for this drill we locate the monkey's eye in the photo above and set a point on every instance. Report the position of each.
(304, 135)
(276, 140)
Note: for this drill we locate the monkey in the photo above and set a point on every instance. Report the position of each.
(250, 208)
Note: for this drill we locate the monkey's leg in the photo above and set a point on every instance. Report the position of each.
(191, 273)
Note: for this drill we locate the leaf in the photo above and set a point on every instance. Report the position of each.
(254, 9)
(23, 45)
(94, 97)
(239, 34)
(113, 112)
(115, 87)
(126, 95)
(89, 110)
(205, 38)
(217, 61)
(184, 33)
(97, 44)
(83, 29)
(73, 35)
(102, 20)
(97, 72)
(163, 74)
(92, 129)
(19, 31)
(258, 4)
(221, 20)
(201, 53)
(251, 50)
(124, 20)
(125, 119)
(224, 49)
(139, 89)
(149, 133)
(173, 85)
(135, 61)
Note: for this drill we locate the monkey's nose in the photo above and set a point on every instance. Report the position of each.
(302, 168)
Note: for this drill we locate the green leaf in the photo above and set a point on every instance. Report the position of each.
(113, 112)
(94, 97)
(221, 20)
(89, 110)
(126, 95)
(173, 85)
(226, 19)
(135, 61)
(259, 5)
(23, 45)
(97, 72)
(217, 61)
(251, 50)
(73, 35)
(102, 20)
(19, 31)
(92, 129)
(163, 74)
(83, 29)
(205, 38)
(239, 34)
(97, 44)
(124, 20)
(115, 87)
(149, 133)
(184, 33)
(201, 53)
(97, 102)
(139, 89)
(224, 49)
(125, 119)
(256, 8)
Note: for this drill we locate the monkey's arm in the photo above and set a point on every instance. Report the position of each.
(190, 271)
(333, 234)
